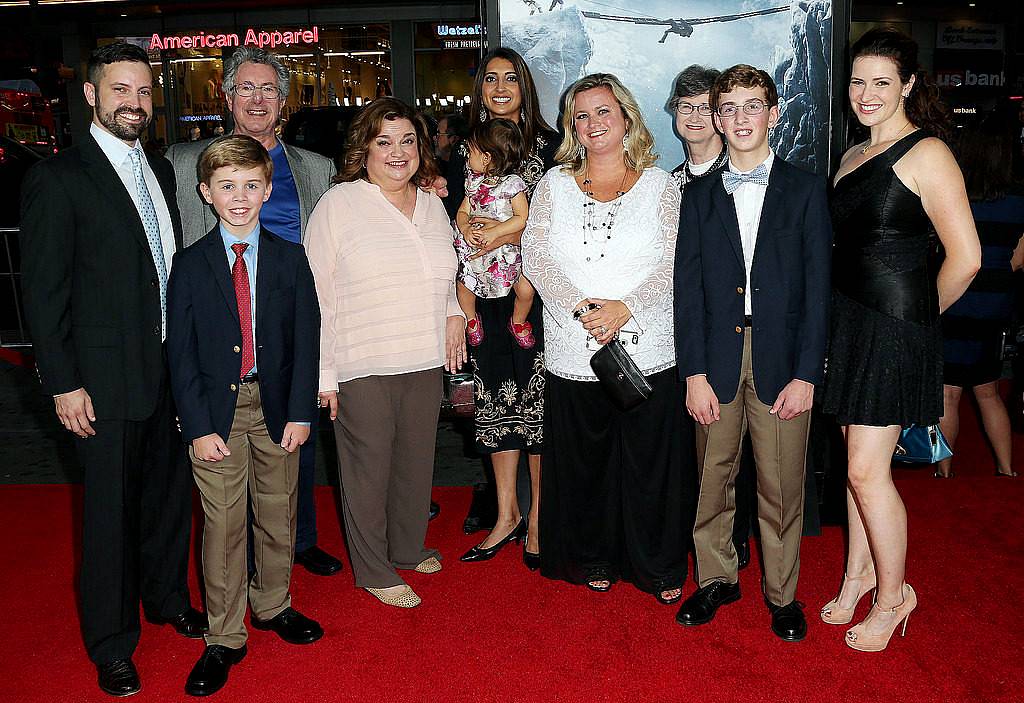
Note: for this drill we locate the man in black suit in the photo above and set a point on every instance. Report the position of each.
(99, 226)
(751, 297)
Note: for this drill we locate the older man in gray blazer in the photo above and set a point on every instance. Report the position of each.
(255, 86)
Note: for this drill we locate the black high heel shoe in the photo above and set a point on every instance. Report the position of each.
(478, 554)
(531, 559)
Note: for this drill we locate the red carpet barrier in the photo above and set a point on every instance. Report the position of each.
(496, 632)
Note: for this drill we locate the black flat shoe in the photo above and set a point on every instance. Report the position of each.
(483, 511)
(317, 561)
(1012, 474)
(788, 622)
(435, 510)
(742, 554)
(700, 608)
(478, 554)
(531, 560)
(189, 623)
(939, 474)
(211, 671)
(291, 626)
(119, 678)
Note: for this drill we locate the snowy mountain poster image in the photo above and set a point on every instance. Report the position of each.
(646, 44)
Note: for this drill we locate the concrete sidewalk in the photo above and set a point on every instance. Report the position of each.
(34, 448)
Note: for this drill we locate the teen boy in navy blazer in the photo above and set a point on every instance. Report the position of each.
(243, 329)
(751, 295)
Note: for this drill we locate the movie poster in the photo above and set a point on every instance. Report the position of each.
(647, 43)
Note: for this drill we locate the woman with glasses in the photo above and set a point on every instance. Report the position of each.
(706, 153)
(885, 349)
(599, 248)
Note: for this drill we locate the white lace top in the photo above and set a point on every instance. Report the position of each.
(639, 253)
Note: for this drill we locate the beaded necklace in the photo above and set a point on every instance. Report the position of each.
(593, 230)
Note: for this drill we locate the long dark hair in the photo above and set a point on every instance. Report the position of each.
(985, 153)
(924, 106)
(366, 126)
(531, 122)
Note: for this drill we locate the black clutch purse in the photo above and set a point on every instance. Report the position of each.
(619, 375)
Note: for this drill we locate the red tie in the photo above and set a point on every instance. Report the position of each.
(240, 274)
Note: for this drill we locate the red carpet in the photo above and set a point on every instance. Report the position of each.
(495, 632)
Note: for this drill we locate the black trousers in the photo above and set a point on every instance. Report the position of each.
(136, 520)
(617, 488)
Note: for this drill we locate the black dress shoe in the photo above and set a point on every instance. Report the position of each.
(483, 511)
(435, 510)
(700, 608)
(742, 554)
(190, 623)
(788, 621)
(211, 671)
(119, 678)
(291, 626)
(317, 561)
(483, 554)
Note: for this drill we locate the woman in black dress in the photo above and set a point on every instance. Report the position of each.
(509, 379)
(885, 350)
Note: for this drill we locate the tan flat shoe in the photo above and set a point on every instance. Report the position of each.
(857, 637)
(406, 598)
(833, 614)
(430, 565)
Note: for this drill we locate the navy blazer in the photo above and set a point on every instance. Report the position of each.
(789, 281)
(204, 336)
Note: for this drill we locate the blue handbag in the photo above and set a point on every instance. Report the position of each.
(920, 444)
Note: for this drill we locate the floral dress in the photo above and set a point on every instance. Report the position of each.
(491, 275)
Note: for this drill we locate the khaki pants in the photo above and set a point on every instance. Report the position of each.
(260, 471)
(780, 452)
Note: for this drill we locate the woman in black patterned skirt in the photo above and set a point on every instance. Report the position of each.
(509, 379)
(885, 349)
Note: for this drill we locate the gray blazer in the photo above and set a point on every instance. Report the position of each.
(312, 173)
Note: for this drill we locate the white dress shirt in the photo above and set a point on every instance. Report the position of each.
(749, 199)
(117, 152)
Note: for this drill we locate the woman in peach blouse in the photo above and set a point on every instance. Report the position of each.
(382, 257)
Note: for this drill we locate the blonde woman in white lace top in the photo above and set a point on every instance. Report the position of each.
(617, 485)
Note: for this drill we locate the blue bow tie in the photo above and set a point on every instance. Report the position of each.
(732, 181)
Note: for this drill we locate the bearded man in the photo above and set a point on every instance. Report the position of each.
(99, 227)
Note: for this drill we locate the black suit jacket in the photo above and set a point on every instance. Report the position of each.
(204, 336)
(789, 281)
(92, 299)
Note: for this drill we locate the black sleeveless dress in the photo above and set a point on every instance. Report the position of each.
(884, 364)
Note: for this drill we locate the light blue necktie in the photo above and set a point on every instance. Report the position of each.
(732, 181)
(152, 226)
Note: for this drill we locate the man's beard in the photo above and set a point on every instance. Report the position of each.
(127, 132)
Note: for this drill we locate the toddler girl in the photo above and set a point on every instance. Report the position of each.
(495, 193)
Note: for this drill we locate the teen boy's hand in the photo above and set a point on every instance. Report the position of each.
(295, 435)
(701, 401)
(210, 447)
(329, 399)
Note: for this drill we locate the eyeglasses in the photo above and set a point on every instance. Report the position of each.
(687, 109)
(246, 90)
(751, 107)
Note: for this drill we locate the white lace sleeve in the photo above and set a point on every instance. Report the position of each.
(659, 284)
(560, 296)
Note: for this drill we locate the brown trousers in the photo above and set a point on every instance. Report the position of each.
(386, 431)
(260, 471)
(780, 452)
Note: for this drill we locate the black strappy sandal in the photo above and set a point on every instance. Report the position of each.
(599, 574)
(659, 590)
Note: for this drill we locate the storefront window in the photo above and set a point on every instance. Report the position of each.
(447, 54)
(340, 65)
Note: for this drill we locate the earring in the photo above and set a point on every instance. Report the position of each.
(582, 153)
(483, 115)
(625, 138)
(522, 116)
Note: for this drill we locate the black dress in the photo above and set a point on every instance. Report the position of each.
(509, 379)
(884, 363)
